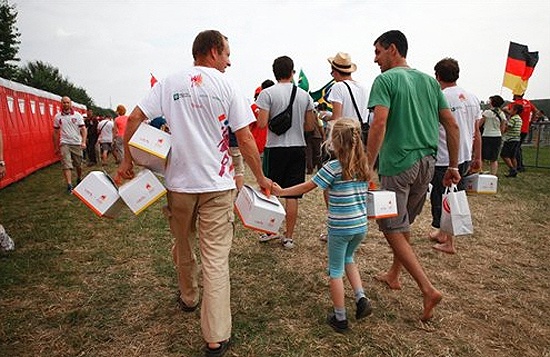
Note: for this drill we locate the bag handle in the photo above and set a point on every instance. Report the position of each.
(451, 188)
(355, 104)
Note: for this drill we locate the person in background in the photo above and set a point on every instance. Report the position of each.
(200, 185)
(284, 159)
(6, 243)
(526, 114)
(408, 107)
(260, 134)
(345, 179)
(69, 138)
(314, 140)
(105, 129)
(466, 110)
(91, 128)
(492, 121)
(512, 140)
(118, 133)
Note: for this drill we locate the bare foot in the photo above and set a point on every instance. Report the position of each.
(430, 301)
(438, 236)
(393, 284)
(445, 248)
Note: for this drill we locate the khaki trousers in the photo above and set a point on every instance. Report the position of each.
(210, 216)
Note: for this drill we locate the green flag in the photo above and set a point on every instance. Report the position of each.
(321, 95)
(303, 82)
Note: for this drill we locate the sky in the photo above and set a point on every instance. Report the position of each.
(111, 47)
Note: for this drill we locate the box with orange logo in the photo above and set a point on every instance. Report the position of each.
(150, 147)
(381, 204)
(142, 191)
(98, 191)
(259, 212)
(481, 183)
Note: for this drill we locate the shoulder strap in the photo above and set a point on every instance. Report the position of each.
(292, 96)
(497, 113)
(354, 103)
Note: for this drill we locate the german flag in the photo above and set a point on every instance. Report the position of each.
(519, 67)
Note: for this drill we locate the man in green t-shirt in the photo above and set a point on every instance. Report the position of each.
(408, 107)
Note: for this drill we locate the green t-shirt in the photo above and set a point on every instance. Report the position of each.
(414, 100)
(514, 129)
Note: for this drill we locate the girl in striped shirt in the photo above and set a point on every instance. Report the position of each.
(346, 180)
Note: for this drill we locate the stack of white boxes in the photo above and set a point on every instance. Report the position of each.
(150, 148)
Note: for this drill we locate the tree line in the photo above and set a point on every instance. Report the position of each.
(37, 74)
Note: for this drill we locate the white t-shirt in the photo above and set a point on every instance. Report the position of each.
(275, 99)
(69, 127)
(466, 109)
(491, 127)
(199, 104)
(105, 128)
(340, 93)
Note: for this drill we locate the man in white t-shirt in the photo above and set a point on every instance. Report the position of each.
(200, 104)
(341, 92)
(285, 155)
(69, 139)
(105, 138)
(466, 109)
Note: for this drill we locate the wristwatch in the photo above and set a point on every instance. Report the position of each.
(2, 163)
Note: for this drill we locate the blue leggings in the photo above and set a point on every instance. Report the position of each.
(341, 250)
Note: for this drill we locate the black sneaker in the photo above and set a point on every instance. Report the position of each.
(69, 188)
(512, 173)
(364, 308)
(337, 325)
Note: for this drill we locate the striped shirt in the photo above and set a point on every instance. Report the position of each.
(347, 200)
(514, 129)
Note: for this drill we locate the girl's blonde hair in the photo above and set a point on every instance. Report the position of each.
(349, 149)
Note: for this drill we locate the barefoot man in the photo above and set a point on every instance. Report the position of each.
(408, 107)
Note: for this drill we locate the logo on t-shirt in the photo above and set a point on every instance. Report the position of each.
(196, 80)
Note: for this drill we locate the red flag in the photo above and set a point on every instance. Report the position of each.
(519, 67)
(153, 80)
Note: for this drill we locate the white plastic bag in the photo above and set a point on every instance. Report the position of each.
(6, 243)
(455, 212)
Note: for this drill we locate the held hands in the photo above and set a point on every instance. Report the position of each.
(277, 190)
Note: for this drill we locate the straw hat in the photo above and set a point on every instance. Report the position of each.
(342, 62)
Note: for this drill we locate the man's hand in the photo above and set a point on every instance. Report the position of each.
(126, 169)
(451, 176)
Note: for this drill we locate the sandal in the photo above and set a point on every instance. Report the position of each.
(217, 352)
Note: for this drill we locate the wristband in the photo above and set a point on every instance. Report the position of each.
(453, 168)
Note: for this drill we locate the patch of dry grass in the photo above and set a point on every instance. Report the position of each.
(78, 285)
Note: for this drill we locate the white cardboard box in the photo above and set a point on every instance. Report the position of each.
(381, 204)
(481, 183)
(259, 212)
(149, 147)
(142, 191)
(98, 191)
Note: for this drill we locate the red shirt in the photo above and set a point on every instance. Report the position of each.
(525, 114)
(260, 135)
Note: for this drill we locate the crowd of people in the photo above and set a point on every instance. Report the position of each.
(412, 130)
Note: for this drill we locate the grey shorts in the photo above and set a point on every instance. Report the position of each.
(410, 187)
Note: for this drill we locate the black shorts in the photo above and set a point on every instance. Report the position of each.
(490, 147)
(285, 165)
(509, 149)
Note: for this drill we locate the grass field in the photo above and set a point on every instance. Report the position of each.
(79, 285)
